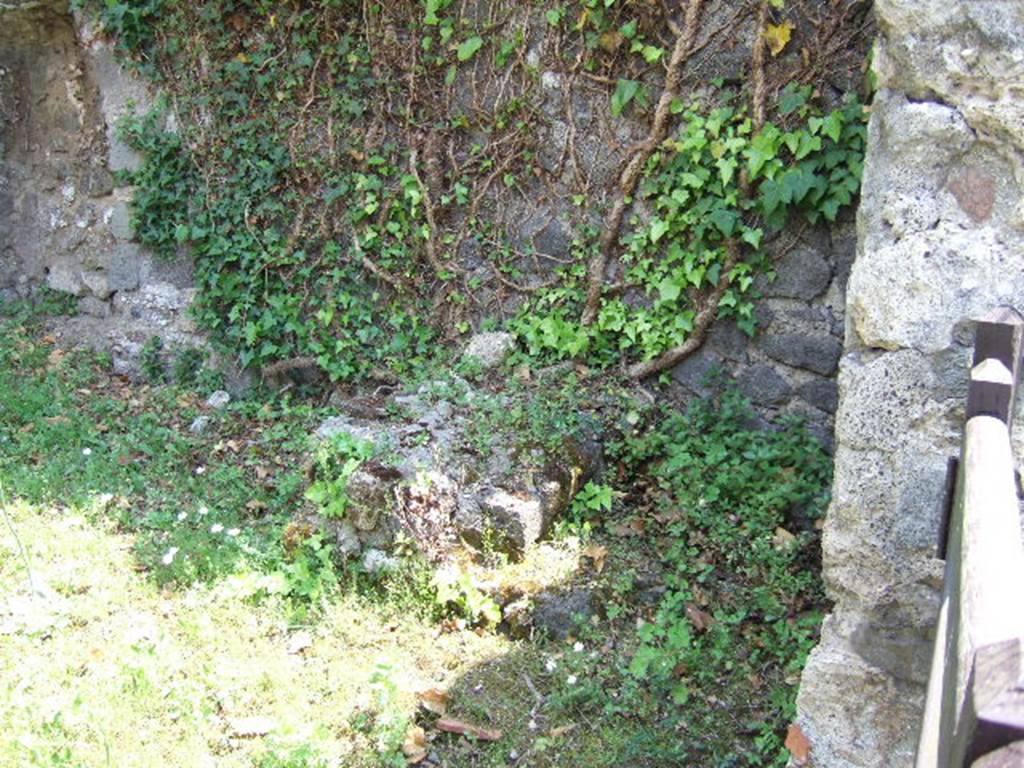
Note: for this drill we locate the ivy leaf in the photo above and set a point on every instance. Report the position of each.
(752, 237)
(792, 98)
(830, 208)
(777, 36)
(469, 48)
(724, 220)
(771, 197)
(834, 125)
(795, 184)
(624, 93)
(669, 289)
(726, 167)
(652, 53)
(658, 229)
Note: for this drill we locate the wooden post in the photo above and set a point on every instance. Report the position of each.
(974, 707)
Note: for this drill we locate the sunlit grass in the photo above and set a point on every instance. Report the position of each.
(100, 667)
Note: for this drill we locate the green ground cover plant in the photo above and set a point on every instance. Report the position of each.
(700, 541)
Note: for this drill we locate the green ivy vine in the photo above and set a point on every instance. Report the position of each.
(716, 186)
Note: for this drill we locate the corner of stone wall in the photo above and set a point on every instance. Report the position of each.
(940, 239)
(67, 225)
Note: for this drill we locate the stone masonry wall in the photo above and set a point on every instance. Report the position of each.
(940, 241)
(68, 226)
(63, 222)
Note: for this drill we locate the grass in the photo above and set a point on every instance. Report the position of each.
(101, 667)
(160, 603)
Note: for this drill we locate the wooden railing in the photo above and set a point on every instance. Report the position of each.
(974, 709)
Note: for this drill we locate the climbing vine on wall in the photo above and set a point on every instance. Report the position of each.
(708, 197)
(340, 171)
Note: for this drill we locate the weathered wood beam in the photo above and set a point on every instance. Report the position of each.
(980, 607)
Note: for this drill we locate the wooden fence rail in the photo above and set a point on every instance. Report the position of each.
(974, 708)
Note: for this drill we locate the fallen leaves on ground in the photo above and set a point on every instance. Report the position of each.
(451, 725)
(782, 539)
(634, 527)
(598, 554)
(434, 700)
(798, 744)
(248, 727)
(415, 745)
(701, 620)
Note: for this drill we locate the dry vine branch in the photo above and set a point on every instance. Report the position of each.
(701, 325)
(757, 68)
(631, 174)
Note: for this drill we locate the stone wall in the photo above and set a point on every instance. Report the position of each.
(63, 221)
(940, 241)
(68, 225)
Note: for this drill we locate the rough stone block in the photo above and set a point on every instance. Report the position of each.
(819, 354)
(65, 277)
(823, 394)
(763, 385)
(802, 274)
(94, 307)
(697, 373)
(120, 221)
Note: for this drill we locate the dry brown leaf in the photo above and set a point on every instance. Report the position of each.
(415, 745)
(701, 620)
(777, 36)
(262, 472)
(55, 358)
(634, 527)
(669, 517)
(782, 539)
(434, 700)
(450, 725)
(247, 727)
(255, 505)
(49, 339)
(597, 553)
(798, 744)
(611, 40)
(561, 730)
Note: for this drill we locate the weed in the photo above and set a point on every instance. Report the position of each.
(152, 360)
(337, 459)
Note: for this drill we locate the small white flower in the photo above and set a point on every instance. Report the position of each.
(578, 646)
(203, 511)
(168, 557)
(216, 528)
(571, 680)
(87, 451)
(200, 470)
(182, 516)
(532, 725)
(550, 665)
(234, 531)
